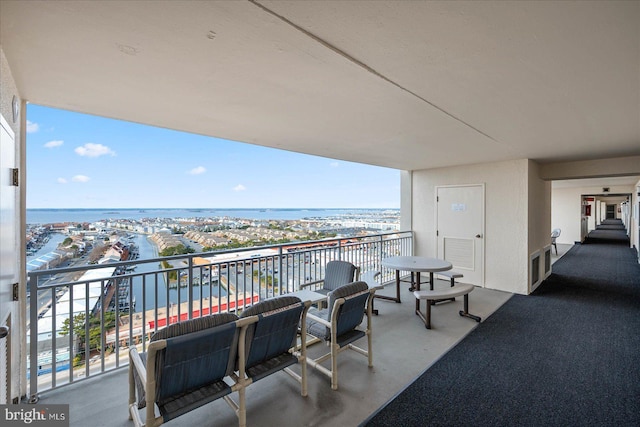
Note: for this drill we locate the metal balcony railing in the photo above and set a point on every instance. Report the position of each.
(82, 319)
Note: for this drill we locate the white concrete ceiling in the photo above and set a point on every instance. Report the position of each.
(402, 84)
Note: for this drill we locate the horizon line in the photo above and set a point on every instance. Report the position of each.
(253, 208)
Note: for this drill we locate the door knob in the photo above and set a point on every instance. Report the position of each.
(478, 236)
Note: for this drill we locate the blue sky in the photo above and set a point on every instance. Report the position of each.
(81, 161)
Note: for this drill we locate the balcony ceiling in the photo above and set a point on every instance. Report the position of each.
(407, 85)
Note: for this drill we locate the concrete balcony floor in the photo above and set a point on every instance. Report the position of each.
(402, 349)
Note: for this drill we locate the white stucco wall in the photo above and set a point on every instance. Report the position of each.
(566, 214)
(539, 208)
(507, 187)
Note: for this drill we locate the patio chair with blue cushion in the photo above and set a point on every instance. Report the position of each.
(270, 344)
(185, 367)
(340, 325)
(336, 274)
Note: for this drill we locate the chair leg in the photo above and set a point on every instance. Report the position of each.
(132, 388)
(369, 346)
(242, 410)
(334, 366)
(303, 379)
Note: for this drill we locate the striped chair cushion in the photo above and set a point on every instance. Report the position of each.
(190, 371)
(268, 341)
(338, 273)
(177, 329)
(358, 290)
(268, 305)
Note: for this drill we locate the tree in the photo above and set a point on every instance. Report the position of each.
(171, 275)
(176, 250)
(95, 331)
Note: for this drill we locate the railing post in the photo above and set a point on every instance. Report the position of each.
(379, 260)
(33, 330)
(71, 335)
(280, 270)
(412, 241)
(189, 288)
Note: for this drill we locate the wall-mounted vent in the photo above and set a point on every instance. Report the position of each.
(547, 261)
(534, 270)
(459, 252)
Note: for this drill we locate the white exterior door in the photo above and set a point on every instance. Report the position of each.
(10, 344)
(460, 230)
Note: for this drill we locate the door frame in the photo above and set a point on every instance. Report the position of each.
(483, 225)
(10, 309)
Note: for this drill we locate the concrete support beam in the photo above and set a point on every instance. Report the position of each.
(620, 166)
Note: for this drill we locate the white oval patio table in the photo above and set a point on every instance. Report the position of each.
(414, 264)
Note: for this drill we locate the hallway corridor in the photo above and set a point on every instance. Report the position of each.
(568, 354)
(610, 231)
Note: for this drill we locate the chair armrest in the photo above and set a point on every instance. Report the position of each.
(136, 362)
(315, 283)
(241, 378)
(320, 320)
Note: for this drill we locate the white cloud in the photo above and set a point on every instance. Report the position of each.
(197, 171)
(80, 178)
(53, 144)
(334, 164)
(94, 150)
(239, 187)
(32, 127)
(62, 181)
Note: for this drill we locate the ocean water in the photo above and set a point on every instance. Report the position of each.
(48, 216)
